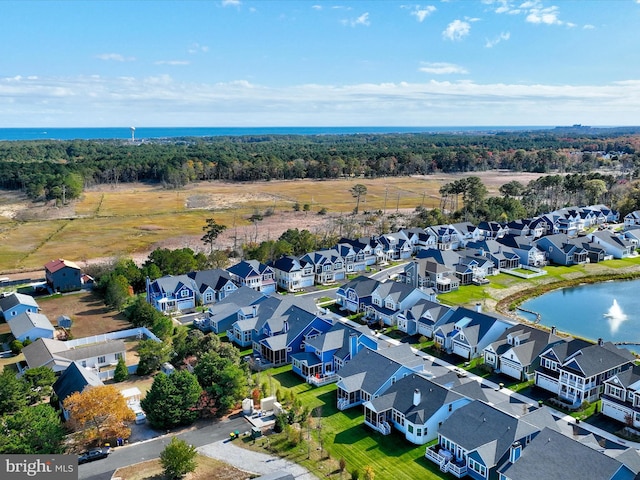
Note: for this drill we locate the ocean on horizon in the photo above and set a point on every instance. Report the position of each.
(142, 133)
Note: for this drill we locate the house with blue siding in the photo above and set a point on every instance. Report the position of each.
(171, 293)
(212, 285)
(221, 316)
(423, 317)
(253, 274)
(14, 304)
(390, 298)
(62, 275)
(328, 266)
(30, 326)
(413, 405)
(326, 353)
(355, 295)
(560, 251)
(372, 372)
(293, 274)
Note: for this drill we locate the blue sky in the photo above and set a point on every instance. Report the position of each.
(92, 63)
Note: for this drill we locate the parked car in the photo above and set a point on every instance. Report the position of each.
(93, 454)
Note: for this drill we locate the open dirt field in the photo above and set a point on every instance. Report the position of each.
(87, 310)
(133, 219)
(207, 469)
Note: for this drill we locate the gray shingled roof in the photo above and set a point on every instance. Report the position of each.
(26, 321)
(14, 299)
(552, 456)
(74, 379)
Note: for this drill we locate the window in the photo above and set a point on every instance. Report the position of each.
(184, 293)
(410, 428)
(119, 356)
(102, 359)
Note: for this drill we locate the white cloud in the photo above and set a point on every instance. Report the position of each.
(546, 15)
(172, 62)
(164, 101)
(361, 20)
(231, 3)
(592, 27)
(490, 43)
(456, 30)
(197, 48)
(115, 57)
(316, 7)
(442, 68)
(423, 12)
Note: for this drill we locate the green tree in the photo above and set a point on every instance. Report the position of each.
(223, 378)
(512, 189)
(594, 189)
(39, 381)
(178, 458)
(357, 191)
(117, 291)
(152, 355)
(32, 430)
(121, 373)
(172, 400)
(141, 313)
(212, 231)
(14, 392)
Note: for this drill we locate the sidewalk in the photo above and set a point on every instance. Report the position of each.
(253, 462)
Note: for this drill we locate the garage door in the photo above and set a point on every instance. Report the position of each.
(613, 410)
(547, 383)
(510, 370)
(460, 350)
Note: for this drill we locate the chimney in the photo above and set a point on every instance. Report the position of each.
(515, 452)
(600, 342)
(416, 397)
(478, 307)
(553, 330)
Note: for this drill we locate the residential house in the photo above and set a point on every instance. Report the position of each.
(328, 266)
(610, 216)
(172, 293)
(476, 440)
(326, 353)
(576, 370)
(31, 326)
(421, 238)
(422, 317)
(467, 332)
(367, 249)
(427, 273)
(552, 455)
(74, 379)
(446, 237)
(526, 249)
(353, 261)
(526, 227)
(58, 355)
(493, 230)
(372, 372)
(560, 251)
(211, 286)
(595, 253)
(293, 274)
(503, 257)
(544, 223)
(633, 235)
(253, 274)
(614, 244)
(467, 232)
(516, 352)
(621, 397)
(413, 405)
(632, 219)
(221, 316)
(63, 275)
(396, 246)
(355, 295)
(14, 304)
(389, 298)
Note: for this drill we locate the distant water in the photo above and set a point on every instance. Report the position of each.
(141, 133)
(608, 310)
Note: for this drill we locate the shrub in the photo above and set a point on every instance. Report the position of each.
(16, 347)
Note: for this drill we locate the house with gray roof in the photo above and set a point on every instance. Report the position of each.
(58, 355)
(326, 353)
(516, 352)
(467, 332)
(29, 325)
(616, 245)
(293, 274)
(355, 295)
(476, 439)
(74, 379)
(14, 304)
(253, 274)
(371, 372)
(422, 317)
(551, 456)
(390, 298)
(526, 249)
(427, 273)
(328, 265)
(221, 316)
(621, 397)
(413, 405)
(560, 251)
(632, 219)
(576, 370)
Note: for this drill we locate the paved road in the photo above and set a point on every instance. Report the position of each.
(150, 449)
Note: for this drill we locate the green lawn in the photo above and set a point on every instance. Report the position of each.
(345, 436)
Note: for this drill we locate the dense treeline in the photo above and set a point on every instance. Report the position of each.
(61, 169)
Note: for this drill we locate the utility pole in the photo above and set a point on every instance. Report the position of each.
(64, 194)
(384, 209)
(422, 204)
(398, 203)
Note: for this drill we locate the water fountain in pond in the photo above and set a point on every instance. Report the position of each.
(615, 316)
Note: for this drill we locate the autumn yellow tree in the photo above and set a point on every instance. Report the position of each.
(99, 413)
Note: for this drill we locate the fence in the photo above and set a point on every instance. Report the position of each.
(108, 374)
(536, 272)
(140, 332)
